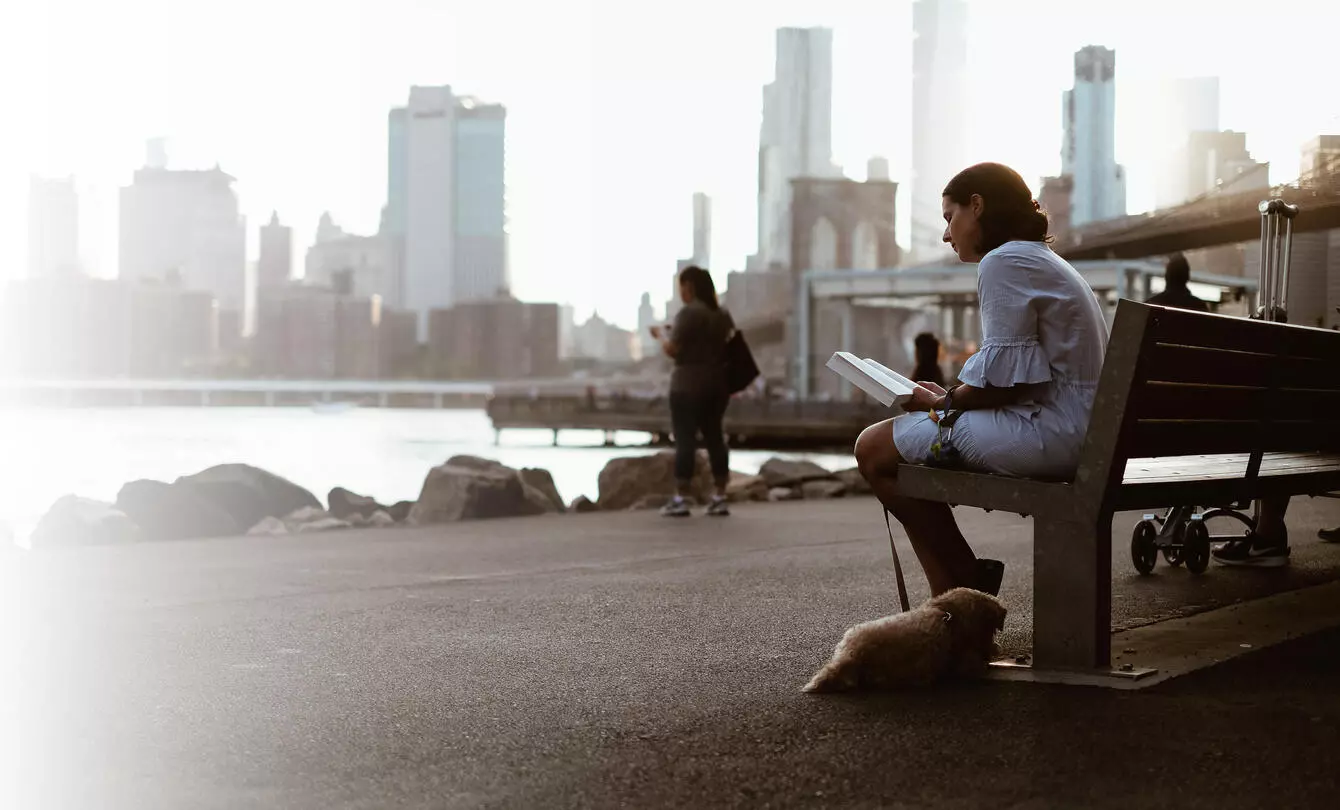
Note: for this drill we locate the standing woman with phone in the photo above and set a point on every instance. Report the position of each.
(698, 389)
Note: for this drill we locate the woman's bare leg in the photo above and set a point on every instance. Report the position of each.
(944, 554)
(1270, 518)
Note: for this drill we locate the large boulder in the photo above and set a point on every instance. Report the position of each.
(478, 463)
(248, 493)
(75, 521)
(344, 504)
(541, 481)
(536, 484)
(630, 480)
(468, 491)
(537, 499)
(785, 472)
(171, 512)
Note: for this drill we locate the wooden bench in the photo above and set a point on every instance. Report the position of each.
(1190, 408)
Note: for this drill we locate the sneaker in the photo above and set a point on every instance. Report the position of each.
(990, 573)
(718, 507)
(1329, 535)
(675, 508)
(1253, 551)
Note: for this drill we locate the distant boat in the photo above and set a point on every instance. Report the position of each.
(333, 407)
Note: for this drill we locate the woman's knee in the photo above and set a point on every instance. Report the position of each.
(876, 454)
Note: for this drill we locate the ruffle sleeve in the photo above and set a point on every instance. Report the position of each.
(1005, 361)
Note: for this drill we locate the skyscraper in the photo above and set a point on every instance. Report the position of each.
(274, 268)
(53, 227)
(185, 227)
(702, 251)
(1089, 154)
(795, 138)
(646, 317)
(480, 263)
(1320, 160)
(394, 213)
(1219, 161)
(702, 229)
(430, 135)
(397, 171)
(1182, 107)
(446, 214)
(939, 119)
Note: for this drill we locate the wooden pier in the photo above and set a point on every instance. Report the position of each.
(749, 422)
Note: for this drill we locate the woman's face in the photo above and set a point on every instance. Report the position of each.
(685, 291)
(962, 230)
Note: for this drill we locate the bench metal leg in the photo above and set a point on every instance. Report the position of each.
(1072, 593)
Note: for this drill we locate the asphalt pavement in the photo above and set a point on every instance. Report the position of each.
(617, 660)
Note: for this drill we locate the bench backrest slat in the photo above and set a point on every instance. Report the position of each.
(1177, 363)
(1178, 383)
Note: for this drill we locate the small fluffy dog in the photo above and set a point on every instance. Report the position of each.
(953, 634)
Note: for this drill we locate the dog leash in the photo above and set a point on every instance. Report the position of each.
(897, 566)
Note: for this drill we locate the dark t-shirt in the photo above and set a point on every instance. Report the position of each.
(700, 336)
(1181, 298)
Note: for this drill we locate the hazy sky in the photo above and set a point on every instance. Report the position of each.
(618, 110)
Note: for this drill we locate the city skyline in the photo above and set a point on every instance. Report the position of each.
(607, 135)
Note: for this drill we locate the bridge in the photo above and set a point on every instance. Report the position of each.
(1217, 218)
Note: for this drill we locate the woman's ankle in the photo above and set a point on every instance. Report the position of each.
(1274, 533)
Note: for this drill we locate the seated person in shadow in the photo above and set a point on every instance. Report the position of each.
(1176, 275)
(927, 350)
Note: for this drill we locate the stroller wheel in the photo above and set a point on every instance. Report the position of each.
(1144, 553)
(1196, 551)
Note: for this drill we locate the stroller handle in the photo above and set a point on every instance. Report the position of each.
(1278, 207)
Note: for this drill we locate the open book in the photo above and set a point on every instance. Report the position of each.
(885, 385)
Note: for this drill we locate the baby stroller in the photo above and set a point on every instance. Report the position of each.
(1182, 534)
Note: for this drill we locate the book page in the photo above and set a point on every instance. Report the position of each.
(897, 384)
(891, 374)
(887, 390)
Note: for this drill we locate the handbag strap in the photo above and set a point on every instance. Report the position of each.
(897, 566)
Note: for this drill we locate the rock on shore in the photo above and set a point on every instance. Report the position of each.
(470, 487)
(75, 521)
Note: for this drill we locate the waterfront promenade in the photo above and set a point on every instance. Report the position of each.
(619, 659)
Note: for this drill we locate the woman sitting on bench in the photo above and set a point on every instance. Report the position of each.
(1023, 406)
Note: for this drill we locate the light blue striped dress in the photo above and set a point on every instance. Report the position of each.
(1041, 323)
